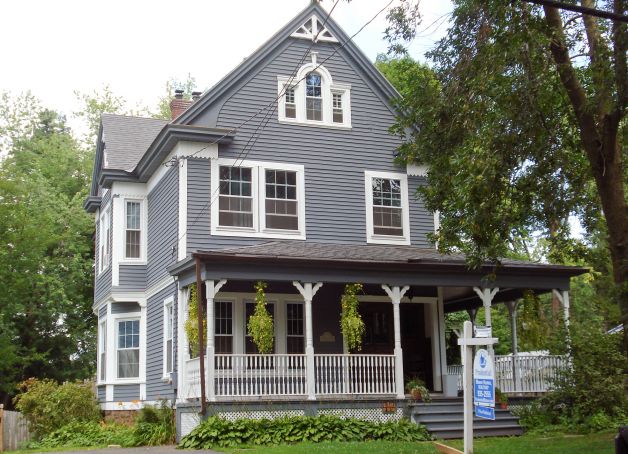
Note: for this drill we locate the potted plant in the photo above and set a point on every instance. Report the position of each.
(417, 389)
(501, 399)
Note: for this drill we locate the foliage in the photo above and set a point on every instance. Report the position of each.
(216, 432)
(351, 323)
(416, 385)
(191, 324)
(163, 106)
(48, 406)
(82, 434)
(155, 425)
(500, 396)
(261, 325)
(95, 104)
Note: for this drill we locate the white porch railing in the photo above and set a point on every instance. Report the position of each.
(242, 375)
(354, 374)
(534, 373)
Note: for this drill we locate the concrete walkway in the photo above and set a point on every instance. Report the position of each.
(142, 450)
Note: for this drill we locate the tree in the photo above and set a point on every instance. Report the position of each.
(527, 127)
(163, 106)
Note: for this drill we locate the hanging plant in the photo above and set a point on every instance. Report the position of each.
(191, 324)
(261, 326)
(351, 323)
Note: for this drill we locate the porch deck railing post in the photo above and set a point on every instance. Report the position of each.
(211, 288)
(307, 291)
(395, 294)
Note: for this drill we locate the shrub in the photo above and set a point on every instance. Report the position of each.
(155, 426)
(88, 434)
(49, 406)
(216, 432)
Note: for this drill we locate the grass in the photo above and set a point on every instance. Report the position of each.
(366, 447)
(598, 443)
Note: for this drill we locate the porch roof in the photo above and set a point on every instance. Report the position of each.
(376, 264)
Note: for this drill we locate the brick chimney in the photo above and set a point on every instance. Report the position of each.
(178, 105)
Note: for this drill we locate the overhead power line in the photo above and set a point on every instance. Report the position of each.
(581, 9)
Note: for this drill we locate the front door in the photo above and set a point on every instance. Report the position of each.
(379, 332)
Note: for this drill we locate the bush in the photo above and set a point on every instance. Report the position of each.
(49, 406)
(88, 434)
(216, 432)
(155, 426)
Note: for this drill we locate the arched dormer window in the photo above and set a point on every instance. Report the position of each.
(312, 98)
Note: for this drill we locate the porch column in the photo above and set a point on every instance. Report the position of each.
(487, 295)
(395, 294)
(563, 297)
(211, 289)
(512, 311)
(307, 291)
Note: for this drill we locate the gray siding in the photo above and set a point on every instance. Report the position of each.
(421, 220)
(334, 159)
(101, 393)
(132, 278)
(156, 387)
(121, 308)
(102, 312)
(162, 226)
(126, 393)
(102, 281)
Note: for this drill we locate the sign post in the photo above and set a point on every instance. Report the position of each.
(467, 341)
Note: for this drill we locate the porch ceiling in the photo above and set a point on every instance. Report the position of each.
(376, 264)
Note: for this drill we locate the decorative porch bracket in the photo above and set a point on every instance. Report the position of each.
(563, 297)
(487, 295)
(211, 289)
(307, 291)
(395, 294)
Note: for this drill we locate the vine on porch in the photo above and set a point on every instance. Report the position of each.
(351, 323)
(191, 324)
(261, 325)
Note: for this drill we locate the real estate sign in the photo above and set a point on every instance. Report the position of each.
(484, 385)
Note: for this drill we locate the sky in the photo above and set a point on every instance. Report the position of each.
(135, 46)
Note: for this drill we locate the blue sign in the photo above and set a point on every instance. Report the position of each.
(485, 412)
(483, 379)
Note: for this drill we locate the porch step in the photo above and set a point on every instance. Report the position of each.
(444, 419)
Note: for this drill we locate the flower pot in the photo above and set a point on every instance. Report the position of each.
(416, 394)
(503, 405)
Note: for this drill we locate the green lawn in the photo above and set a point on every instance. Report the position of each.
(372, 447)
(599, 443)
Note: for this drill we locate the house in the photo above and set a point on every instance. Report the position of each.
(283, 172)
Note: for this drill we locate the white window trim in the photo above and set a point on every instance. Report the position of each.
(405, 215)
(112, 363)
(258, 192)
(233, 324)
(104, 230)
(168, 303)
(327, 88)
(102, 348)
(143, 233)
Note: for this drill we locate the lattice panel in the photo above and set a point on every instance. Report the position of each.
(188, 422)
(259, 414)
(365, 414)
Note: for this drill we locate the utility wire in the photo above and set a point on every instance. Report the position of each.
(581, 9)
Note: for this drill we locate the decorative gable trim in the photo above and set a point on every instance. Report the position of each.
(313, 30)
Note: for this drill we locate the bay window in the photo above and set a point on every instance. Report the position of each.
(128, 348)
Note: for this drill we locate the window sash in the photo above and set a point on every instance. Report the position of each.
(128, 348)
(133, 230)
(168, 336)
(387, 207)
(105, 241)
(295, 332)
(223, 327)
(102, 350)
(235, 202)
(281, 199)
(313, 97)
(290, 105)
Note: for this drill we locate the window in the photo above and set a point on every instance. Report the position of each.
(312, 98)
(260, 199)
(294, 328)
(236, 198)
(133, 230)
(290, 106)
(168, 336)
(128, 348)
(337, 106)
(223, 319)
(102, 351)
(281, 200)
(249, 345)
(387, 208)
(104, 240)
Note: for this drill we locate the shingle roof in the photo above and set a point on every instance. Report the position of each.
(127, 139)
(367, 253)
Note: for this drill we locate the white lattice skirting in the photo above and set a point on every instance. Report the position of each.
(365, 414)
(258, 414)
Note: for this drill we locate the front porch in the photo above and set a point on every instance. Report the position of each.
(407, 292)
